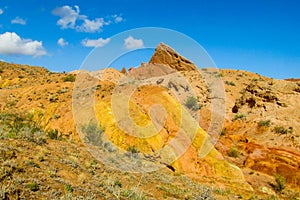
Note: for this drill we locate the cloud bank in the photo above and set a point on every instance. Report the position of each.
(13, 44)
(70, 18)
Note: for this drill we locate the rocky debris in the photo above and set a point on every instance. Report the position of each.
(165, 55)
(255, 95)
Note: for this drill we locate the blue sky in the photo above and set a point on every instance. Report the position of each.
(257, 36)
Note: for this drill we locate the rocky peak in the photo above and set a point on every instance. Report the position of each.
(167, 56)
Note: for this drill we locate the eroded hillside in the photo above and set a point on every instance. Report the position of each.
(254, 155)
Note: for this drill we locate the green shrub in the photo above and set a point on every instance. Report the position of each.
(205, 192)
(282, 130)
(118, 183)
(69, 78)
(53, 134)
(239, 116)
(33, 186)
(93, 133)
(21, 126)
(280, 183)
(230, 83)
(233, 152)
(223, 132)
(264, 123)
(133, 149)
(192, 103)
(69, 188)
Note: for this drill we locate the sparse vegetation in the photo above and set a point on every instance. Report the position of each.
(133, 149)
(69, 188)
(280, 183)
(233, 152)
(205, 193)
(230, 83)
(21, 126)
(33, 186)
(93, 133)
(239, 116)
(69, 78)
(53, 134)
(192, 103)
(264, 123)
(223, 132)
(282, 130)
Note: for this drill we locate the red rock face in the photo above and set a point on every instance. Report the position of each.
(167, 56)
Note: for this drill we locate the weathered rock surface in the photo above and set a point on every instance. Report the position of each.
(167, 56)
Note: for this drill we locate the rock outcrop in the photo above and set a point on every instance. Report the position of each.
(165, 55)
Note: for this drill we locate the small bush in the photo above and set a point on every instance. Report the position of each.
(118, 183)
(93, 133)
(53, 134)
(233, 152)
(132, 152)
(239, 116)
(192, 103)
(230, 83)
(69, 188)
(223, 132)
(205, 193)
(133, 149)
(280, 183)
(264, 123)
(69, 78)
(33, 186)
(282, 130)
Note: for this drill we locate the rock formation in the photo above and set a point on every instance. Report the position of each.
(167, 56)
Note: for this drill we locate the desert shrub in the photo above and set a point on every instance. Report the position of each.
(281, 130)
(233, 152)
(1, 71)
(53, 134)
(69, 188)
(93, 133)
(264, 123)
(135, 194)
(33, 186)
(109, 147)
(192, 103)
(230, 83)
(69, 78)
(239, 116)
(280, 183)
(21, 126)
(132, 152)
(133, 149)
(223, 132)
(220, 75)
(205, 193)
(118, 183)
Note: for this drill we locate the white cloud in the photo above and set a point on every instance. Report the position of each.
(95, 43)
(12, 44)
(91, 26)
(132, 43)
(18, 20)
(1, 11)
(61, 42)
(71, 18)
(117, 18)
(68, 16)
